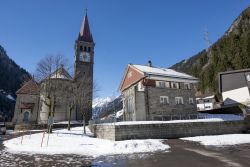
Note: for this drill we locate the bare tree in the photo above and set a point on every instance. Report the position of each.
(46, 71)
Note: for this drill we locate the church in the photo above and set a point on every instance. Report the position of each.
(71, 94)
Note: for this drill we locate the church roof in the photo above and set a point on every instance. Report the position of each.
(85, 33)
(61, 73)
(29, 87)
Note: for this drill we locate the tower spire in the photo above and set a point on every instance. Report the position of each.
(85, 33)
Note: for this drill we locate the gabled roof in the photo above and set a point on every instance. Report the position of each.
(29, 87)
(156, 74)
(61, 73)
(147, 70)
(85, 33)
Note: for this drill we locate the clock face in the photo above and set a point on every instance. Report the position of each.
(85, 57)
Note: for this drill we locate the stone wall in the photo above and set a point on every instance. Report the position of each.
(166, 130)
(157, 109)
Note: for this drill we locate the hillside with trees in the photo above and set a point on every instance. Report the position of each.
(230, 52)
(12, 77)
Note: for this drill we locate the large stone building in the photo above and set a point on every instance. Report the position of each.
(151, 93)
(59, 93)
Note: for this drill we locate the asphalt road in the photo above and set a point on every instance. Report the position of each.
(182, 153)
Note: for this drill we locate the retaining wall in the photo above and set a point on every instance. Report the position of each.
(166, 130)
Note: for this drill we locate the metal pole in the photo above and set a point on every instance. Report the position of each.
(48, 136)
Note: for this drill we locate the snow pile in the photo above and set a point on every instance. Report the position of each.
(221, 140)
(73, 142)
(224, 117)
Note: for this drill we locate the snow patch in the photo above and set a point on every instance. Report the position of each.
(74, 142)
(119, 113)
(220, 140)
(10, 97)
(205, 118)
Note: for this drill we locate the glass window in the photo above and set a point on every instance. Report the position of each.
(179, 100)
(167, 84)
(160, 84)
(164, 100)
(175, 85)
(191, 101)
(187, 86)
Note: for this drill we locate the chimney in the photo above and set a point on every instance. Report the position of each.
(150, 63)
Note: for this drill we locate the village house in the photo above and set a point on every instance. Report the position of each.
(151, 93)
(207, 102)
(59, 91)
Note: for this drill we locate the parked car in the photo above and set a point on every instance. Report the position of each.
(2, 128)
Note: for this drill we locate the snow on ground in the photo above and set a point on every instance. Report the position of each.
(205, 118)
(73, 142)
(71, 122)
(221, 140)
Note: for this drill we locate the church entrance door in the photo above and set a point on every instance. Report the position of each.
(26, 114)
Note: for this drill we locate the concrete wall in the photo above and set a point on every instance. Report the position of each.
(167, 130)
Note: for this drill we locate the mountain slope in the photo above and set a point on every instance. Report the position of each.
(11, 79)
(230, 52)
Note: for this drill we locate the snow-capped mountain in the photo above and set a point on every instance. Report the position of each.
(99, 102)
(104, 106)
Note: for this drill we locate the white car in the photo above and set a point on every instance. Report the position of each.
(2, 128)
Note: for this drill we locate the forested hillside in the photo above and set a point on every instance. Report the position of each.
(230, 52)
(11, 79)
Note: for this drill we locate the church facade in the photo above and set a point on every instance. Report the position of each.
(72, 96)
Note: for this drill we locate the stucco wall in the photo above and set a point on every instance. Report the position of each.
(167, 130)
(25, 98)
(63, 92)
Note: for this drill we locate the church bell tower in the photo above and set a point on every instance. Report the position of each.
(83, 77)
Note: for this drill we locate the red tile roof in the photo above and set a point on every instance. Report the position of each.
(29, 87)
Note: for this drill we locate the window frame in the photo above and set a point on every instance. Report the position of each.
(164, 100)
(179, 100)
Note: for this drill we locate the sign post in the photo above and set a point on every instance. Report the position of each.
(50, 123)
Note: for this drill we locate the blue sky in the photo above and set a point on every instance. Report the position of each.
(125, 31)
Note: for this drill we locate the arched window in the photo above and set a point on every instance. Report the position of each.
(85, 48)
(89, 49)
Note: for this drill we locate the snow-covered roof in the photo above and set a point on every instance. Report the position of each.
(147, 70)
(61, 73)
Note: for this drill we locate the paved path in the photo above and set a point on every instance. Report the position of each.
(182, 153)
